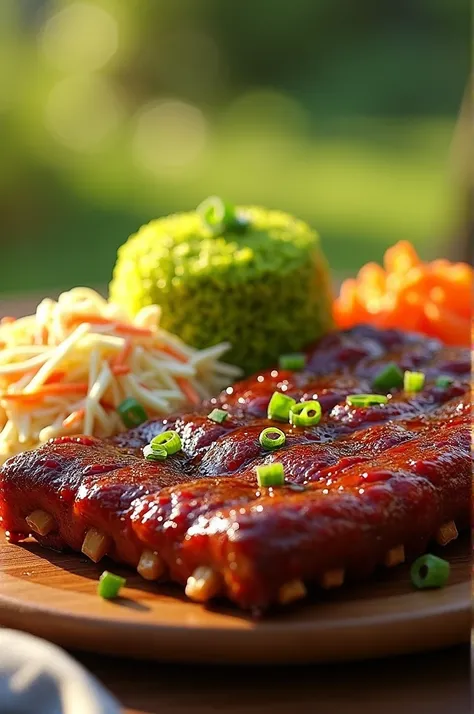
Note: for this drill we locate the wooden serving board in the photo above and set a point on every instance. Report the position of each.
(53, 595)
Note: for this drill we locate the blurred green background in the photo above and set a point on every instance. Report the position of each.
(114, 112)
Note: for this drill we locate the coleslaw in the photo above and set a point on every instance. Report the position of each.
(67, 368)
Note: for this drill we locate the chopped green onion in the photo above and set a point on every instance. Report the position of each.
(388, 378)
(272, 438)
(306, 413)
(169, 441)
(429, 571)
(157, 453)
(132, 413)
(413, 381)
(365, 400)
(110, 585)
(271, 475)
(294, 361)
(212, 211)
(218, 415)
(444, 381)
(279, 406)
(220, 217)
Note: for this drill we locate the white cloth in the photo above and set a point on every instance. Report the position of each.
(37, 677)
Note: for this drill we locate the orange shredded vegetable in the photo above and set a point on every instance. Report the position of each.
(12, 377)
(48, 390)
(54, 377)
(70, 365)
(123, 355)
(41, 336)
(120, 370)
(188, 390)
(74, 418)
(121, 328)
(173, 353)
(433, 298)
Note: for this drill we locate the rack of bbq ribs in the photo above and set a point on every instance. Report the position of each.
(369, 483)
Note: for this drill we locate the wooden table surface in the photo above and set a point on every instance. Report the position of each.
(432, 683)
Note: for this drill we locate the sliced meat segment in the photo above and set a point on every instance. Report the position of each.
(395, 503)
(364, 487)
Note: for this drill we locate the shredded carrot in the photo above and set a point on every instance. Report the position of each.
(124, 354)
(41, 336)
(48, 390)
(13, 377)
(74, 418)
(63, 388)
(121, 328)
(433, 298)
(188, 390)
(54, 377)
(173, 353)
(7, 320)
(120, 370)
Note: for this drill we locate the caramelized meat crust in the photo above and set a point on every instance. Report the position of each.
(364, 487)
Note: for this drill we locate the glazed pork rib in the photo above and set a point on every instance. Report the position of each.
(365, 487)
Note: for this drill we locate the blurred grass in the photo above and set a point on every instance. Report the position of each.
(361, 194)
(353, 136)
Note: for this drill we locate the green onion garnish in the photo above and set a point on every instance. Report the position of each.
(271, 475)
(220, 217)
(413, 381)
(279, 406)
(388, 378)
(365, 400)
(305, 413)
(218, 415)
(169, 440)
(429, 571)
(110, 585)
(157, 453)
(444, 381)
(132, 413)
(272, 438)
(294, 361)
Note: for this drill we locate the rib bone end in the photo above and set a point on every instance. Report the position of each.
(291, 591)
(150, 566)
(203, 584)
(395, 556)
(447, 533)
(332, 579)
(95, 545)
(41, 522)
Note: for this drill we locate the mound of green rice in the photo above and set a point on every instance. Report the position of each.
(254, 277)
